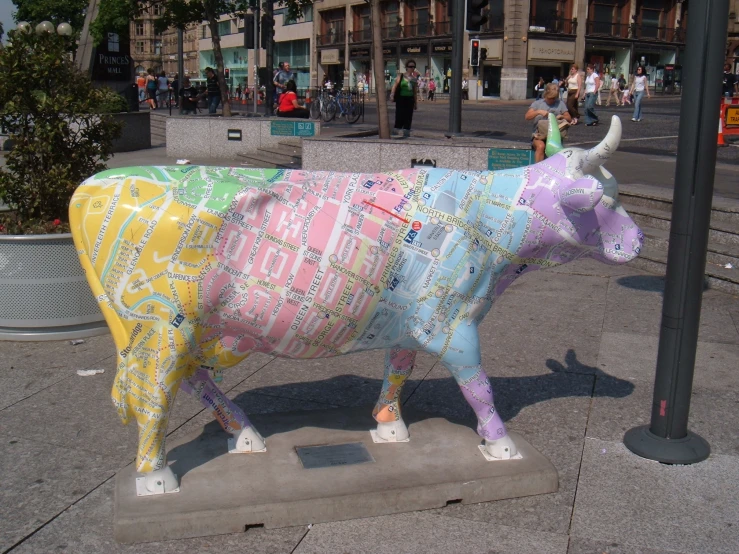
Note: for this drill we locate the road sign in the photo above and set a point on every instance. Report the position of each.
(732, 115)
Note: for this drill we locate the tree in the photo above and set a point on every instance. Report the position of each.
(54, 118)
(378, 63)
(56, 11)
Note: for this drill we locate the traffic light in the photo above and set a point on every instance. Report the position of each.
(227, 73)
(475, 18)
(474, 52)
(268, 30)
(249, 31)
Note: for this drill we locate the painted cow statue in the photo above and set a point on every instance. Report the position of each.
(196, 267)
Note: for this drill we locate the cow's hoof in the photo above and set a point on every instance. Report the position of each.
(393, 431)
(245, 441)
(501, 449)
(160, 481)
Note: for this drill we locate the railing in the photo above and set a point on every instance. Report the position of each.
(392, 32)
(443, 28)
(418, 30)
(608, 29)
(494, 24)
(552, 25)
(622, 30)
(362, 35)
(334, 36)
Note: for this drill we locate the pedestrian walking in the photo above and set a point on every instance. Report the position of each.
(422, 88)
(639, 86)
(729, 82)
(141, 84)
(213, 90)
(175, 87)
(614, 92)
(151, 89)
(162, 89)
(238, 92)
(574, 90)
(465, 89)
(403, 94)
(592, 86)
(432, 88)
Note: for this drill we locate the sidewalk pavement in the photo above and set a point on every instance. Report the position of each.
(571, 354)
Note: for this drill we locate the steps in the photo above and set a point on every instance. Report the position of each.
(651, 209)
(288, 154)
(158, 122)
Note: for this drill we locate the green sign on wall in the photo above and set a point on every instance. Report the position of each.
(293, 129)
(508, 158)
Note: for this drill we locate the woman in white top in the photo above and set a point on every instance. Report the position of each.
(614, 92)
(574, 88)
(592, 85)
(639, 86)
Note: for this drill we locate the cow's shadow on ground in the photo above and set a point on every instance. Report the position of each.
(421, 399)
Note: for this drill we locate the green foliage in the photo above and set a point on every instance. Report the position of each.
(56, 11)
(54, 118)
(111, 102)
(114, 16)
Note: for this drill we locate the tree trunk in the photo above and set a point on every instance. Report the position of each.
(378, 64)
(216, 38)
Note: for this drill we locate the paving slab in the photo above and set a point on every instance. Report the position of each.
(40, 481)
(27, 368)
(612, 416)
(424, 533)
(623, 498)
(635, 306)
(549, 412)
(634, 357)
(581, 545)
(222, 493)
(87, 528)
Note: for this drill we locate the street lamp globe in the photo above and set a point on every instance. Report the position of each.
(24, 26)
(44, 27)
(64, 29)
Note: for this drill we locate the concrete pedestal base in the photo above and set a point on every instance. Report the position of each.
(224, 493)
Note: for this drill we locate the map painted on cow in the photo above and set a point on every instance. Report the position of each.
(293, 128)
(508, 158)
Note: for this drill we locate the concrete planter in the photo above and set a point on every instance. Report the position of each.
(136, 133)
(43, 291)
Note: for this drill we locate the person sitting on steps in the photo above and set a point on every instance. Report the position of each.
(289, 106)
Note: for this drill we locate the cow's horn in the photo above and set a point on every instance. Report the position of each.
(599, 154)
(554, 137)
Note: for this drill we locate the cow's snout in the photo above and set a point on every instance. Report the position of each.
(621, 238)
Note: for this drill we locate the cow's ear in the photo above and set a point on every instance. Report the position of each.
(581, 195)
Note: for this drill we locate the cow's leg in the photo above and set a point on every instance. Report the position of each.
(229, 415)
(462, 359)
(398, 367)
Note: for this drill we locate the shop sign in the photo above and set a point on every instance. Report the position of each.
(494, 48)
(551, 50)
(413, 50)
(112, 60)
(389, 51)
(330, 56)
(441, 49)
(356, 53)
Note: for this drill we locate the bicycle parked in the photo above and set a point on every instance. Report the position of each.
(328, 104)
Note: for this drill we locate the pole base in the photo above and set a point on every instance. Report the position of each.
(689, 450)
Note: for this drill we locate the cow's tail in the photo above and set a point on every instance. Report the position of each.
(81, 220)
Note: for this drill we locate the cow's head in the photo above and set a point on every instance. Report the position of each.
(589, 212)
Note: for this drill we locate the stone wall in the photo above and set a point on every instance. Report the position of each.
(224, 137)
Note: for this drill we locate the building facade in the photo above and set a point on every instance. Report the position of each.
(146, 44)
(521, 41)
(732, 43)
(190, 49)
